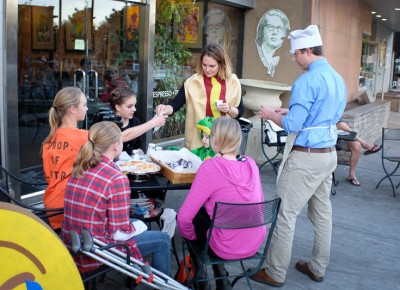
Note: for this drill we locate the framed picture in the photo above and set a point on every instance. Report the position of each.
(130, 33)
(42, 28)
(190, 30)
(75, 36)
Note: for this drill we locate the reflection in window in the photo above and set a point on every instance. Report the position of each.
(221, 25)
(217, 28)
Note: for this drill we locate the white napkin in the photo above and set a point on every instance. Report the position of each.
(124, 156)
(169, 218)
(139, 226)
(156, 128)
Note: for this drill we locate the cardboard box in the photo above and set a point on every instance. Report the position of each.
(177, 176)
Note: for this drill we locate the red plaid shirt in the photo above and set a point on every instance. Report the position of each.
(98, 202)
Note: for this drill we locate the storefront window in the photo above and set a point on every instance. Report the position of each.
(221, 25)
(396, 72)
(90, 44)
(95, 44)
(369, 61)
(181, 31)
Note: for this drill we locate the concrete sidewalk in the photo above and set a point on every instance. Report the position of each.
(365, 250)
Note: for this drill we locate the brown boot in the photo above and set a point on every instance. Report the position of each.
(220, 271)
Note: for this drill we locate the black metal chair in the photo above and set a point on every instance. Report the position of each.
(342, 135)
(334, 183)
(279, 143)
(390, 155)
(9, 184)
(233, 217)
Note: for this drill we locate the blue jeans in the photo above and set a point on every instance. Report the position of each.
(158, 244)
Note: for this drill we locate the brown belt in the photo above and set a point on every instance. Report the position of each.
(314, 150)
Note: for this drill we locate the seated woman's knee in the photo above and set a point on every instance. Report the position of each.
(353, 146)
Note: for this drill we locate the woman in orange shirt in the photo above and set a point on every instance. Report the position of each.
(60, 148)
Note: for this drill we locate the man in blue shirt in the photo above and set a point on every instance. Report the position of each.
(317, 102)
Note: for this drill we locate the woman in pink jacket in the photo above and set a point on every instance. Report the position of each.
(227, 177)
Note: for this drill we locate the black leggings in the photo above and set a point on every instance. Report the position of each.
(201, 224)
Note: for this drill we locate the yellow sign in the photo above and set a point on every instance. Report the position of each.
(32, 255)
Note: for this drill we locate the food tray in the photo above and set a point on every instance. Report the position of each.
(135, 172)
(181, 175)
(175, 177)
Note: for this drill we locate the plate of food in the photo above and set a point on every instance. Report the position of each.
(138, 170)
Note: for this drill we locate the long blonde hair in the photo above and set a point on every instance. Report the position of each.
(227, 134)
(66, 98)
(101, 136)
(218, 53)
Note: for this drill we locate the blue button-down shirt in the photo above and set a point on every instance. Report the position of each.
(317, 103)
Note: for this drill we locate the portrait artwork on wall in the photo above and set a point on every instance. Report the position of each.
(130, 34)
(271, 32)
(75, 30)
(42, 27)
(190, 31)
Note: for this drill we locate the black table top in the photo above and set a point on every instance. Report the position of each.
(157, 182)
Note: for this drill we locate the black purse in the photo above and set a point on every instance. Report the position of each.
(274, 135)
(347, 135)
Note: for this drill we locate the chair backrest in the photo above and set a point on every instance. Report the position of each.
(8, 182)
(390, 142)
(244, 215)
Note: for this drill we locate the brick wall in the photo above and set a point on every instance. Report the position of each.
(367, 120)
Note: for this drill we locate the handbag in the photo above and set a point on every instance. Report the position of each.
(274, 135)
(347, 135)
(182, 276)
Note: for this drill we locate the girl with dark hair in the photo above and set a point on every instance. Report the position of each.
(123, 103)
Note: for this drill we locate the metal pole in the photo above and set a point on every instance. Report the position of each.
(383, 78)
(86, 34)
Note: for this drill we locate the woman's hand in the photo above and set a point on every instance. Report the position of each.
(224, 108)
(160, 109)
(163, 110)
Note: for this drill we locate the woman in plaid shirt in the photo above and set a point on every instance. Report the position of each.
(97, 199)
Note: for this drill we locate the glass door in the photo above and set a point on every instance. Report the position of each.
(91, 44)
(368, 67)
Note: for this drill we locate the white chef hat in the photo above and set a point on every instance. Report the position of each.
(306, 38)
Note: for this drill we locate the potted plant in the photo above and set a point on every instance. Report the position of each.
(170, 61)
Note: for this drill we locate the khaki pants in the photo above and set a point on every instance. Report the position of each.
(306, 179)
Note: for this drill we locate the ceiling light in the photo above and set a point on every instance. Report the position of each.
(379, 16)
(373, 12)
(384, 19)
(397, 9)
